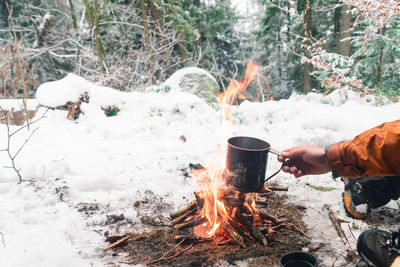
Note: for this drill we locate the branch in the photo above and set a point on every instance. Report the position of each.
(16, 154)
(9, 135)
(32, 122)
(2, 239)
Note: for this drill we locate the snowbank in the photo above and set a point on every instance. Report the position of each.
(88, 171)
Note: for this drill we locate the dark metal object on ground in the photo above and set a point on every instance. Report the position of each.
(298, 259)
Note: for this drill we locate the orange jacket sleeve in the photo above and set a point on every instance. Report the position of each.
(375, 152)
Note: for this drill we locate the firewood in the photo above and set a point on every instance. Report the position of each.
(267, 230)
(178, 213)
(233, 234)
(181, 218)
(263, 214)
(117, 242)
(277, 188)
(190, 224)
(253, 230)
(114, 238)
(336, 225)
(240, 230)
(262, 201)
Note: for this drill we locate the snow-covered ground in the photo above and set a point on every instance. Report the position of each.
(88, 171)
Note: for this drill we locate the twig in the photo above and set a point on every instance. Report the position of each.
(193, 238)
(9, 135)
(165, 254)
(298, 230)
(336, 224)
(2, 239)
(351, 232)
(179, 253)
(32, 122)
(277, 188)
(117, 242)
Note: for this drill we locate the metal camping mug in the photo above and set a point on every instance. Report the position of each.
(246, 163)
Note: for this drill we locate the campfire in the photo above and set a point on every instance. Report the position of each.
(221, 211)
(220, 219)
(236, 217)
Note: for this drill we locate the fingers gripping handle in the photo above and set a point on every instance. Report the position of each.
(278, 153)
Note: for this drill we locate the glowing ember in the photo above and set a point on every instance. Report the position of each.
(210, 179)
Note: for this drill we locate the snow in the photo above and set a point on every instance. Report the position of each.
(18, 104)
(111, 162)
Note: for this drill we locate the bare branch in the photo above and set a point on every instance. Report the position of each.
(9, 135)
(2, 238)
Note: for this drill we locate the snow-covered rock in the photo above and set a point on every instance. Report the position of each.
(194, 80)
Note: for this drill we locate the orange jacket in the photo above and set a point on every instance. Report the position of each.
(375, 152)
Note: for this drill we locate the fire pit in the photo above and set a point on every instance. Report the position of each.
(221, 223)
(191, 246)
(236, 217)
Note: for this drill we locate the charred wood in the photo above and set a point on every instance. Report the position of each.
(253, 230)
(190, 224)
(181, 218)
(233, 234)
(178, 213)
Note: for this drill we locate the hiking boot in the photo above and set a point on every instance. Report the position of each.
(379, 248)
(355, 199)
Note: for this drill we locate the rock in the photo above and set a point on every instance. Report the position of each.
(193, 80)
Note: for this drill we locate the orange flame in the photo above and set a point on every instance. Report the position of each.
(236, 88)
(210, 179)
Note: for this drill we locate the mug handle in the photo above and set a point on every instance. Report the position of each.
(278, 153)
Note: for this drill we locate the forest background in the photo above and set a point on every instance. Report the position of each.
(301, 45)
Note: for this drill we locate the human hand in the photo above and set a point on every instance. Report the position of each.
(304, 160)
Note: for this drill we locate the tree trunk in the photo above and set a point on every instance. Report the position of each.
(145, 26)
(378, 79)
(93, 14)
(336, 27)
(156, 16)
(180, 39)
(75, 23)
(307, 43)
(345, 24)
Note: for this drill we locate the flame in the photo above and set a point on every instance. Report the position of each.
(210, 179)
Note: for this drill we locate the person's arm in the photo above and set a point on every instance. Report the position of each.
(375, 152)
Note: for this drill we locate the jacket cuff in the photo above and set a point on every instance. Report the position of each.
(333, 157)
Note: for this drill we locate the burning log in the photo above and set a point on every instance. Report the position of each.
(190, 224)
(237, 215)
(233, 234)
(178, 213)
(253, 230)
(240, 230)
(183, 217)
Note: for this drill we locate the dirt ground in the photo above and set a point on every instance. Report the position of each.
(159, 248)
